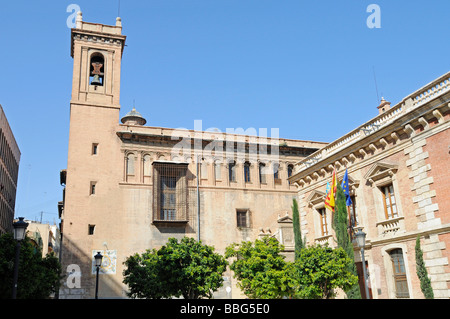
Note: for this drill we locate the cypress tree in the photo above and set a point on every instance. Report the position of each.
(425, 283)
(340, 226)
(297, 232)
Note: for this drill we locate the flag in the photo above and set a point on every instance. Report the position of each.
(328, 188)
(329, 200)
(346, 189)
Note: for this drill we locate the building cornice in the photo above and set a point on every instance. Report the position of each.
(96, 37)
(383, 133)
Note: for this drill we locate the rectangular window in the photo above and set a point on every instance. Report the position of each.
(91, 229)
(242, 218)
(390, 205)
(323, 221)
(94, 148)
(92, 189)
(170, 194)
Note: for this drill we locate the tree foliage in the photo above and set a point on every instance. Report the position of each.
(261, 270)
(297, 231)
(186, 268)
(341, 226)
(425, 282)
(38, 277)
(320, 270)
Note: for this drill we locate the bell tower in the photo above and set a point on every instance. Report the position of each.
(97, 53)
(91, 210)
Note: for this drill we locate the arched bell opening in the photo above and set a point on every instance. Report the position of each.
(97, 70)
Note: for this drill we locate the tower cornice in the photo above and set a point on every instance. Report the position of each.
(92, 36)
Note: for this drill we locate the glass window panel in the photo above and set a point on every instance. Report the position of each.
(392, 198)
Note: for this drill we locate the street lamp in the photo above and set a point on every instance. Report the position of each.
(360, 238)
(20, 228)
(98, 263)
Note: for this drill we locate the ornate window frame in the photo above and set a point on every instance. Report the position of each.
(382, 174)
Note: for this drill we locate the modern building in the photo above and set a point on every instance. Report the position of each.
(129, 187)
(9, 171)
(398, 165)
(44, 236)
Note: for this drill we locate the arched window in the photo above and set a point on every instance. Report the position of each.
(217, 170)
(262, 173)
(232, 171)
(290, 170)
(97, 69)
(203, 170)
(276, 173)
(130, 165)
(247, 172)
(147, 168)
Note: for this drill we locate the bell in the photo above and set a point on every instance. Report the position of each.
(96, 80)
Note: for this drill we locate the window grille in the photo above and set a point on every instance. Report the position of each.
(242, 218)
(170, 192)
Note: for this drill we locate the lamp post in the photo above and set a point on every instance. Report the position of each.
(20, 228)
(98, 263)
(360, 237)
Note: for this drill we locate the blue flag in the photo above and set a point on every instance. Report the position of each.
(346, 189)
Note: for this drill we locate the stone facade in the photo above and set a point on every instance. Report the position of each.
(398, 165)
(130, 187)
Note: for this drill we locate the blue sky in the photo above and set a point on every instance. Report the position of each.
(305, 67)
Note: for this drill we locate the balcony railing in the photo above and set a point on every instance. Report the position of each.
(430, 91)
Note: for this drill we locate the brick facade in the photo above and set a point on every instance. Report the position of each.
(403, 151)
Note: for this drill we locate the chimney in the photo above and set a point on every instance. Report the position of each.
(384, 106)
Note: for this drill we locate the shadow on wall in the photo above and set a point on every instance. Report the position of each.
(79, 276)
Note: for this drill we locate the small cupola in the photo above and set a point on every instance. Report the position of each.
(133, 118)
(384, 106)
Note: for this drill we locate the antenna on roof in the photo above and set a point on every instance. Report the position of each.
(376, 87)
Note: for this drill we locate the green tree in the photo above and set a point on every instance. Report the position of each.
(320, 270)
(425, 283)
(186, 268)
(297, 231)
(260, 268)
(340, 226)
(38, 277)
